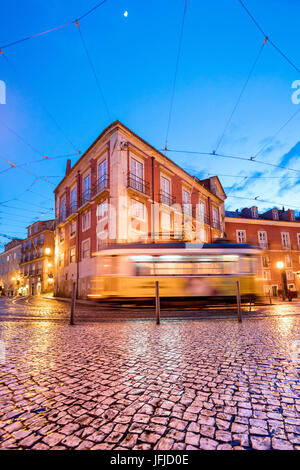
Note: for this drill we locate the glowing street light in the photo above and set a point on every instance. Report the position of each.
(47, 251)
(280, 265)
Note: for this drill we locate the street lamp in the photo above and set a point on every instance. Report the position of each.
(47, 251)
(280, 265)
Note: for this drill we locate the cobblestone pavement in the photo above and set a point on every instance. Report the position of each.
(40, 308)
(134, 385)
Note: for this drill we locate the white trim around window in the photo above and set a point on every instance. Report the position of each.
(241, 236)
(86, 223)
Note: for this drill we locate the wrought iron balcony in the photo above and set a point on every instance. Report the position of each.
(138, 184)
(100, 185)
(85, 197)
(216, 224)
(166, 198)
(72, 208)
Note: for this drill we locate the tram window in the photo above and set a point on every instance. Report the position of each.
(187, 266)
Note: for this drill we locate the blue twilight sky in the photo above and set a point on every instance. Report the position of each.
(135, 58)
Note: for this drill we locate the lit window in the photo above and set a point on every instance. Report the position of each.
(72, 254)
(288, 261)
(137, 209)
(166, 221)
(102, 210)
(72, 229)
(86, 249)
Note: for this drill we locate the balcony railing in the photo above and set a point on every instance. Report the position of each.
(216, 224)
(140, 185)
(100, 185)
(166, 198)
(85, 197)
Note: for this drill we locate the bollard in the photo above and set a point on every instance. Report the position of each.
(73, 304)
(238, 301)
(157, 303)
(270, 297)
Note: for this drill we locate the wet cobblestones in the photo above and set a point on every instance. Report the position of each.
(135, 385)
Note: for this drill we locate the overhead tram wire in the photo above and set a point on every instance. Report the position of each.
(277, 133)
(251, 159)
(292, 64)
(241, 93)
(93, 69)
(46, 158)
(257, 199)
(240, 176)
(175, 75)
(5, 46)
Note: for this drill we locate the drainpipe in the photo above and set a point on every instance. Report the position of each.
(153, 211)
(209, 212)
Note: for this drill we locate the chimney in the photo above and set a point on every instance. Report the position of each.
(68, 167)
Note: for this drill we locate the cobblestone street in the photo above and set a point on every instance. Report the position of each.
(207, 384)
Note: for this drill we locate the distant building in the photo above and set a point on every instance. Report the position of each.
(123, 190)
(10, 267)
(277, 233)
(37, 262)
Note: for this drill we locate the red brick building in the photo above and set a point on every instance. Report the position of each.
(123, 190)
(37, 259)
(277, 232)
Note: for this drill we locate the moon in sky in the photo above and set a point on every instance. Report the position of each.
(126, 13)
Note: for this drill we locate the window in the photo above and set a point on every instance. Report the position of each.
(166, 221)
(61, 234)
(289, 275)
(137, 172)
(285, 237)
(29, 244)
(298, 238)
(165, 186)
(86, 188)
(215, 215)
(72, 229)
(241, 236)
(102, 210)
(73, 199)
(265, 261)
(288, 261)
(41, 251)
(137, 209)
(102, 176)
(86, 249)
(262, 239)
(41, 239)
(202, 211)
(63, 209)
(72, 254)
(86, 220)
(186, 201)
(267, 275)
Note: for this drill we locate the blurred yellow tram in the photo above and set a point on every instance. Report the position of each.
(184, 270)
